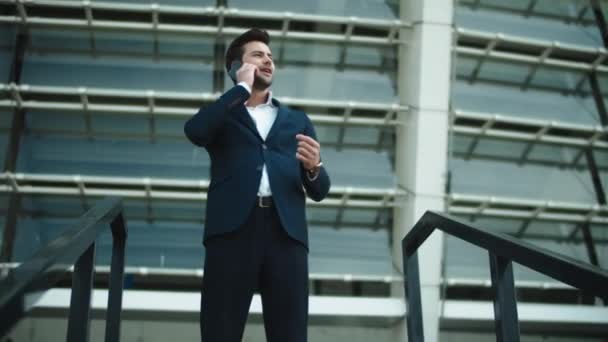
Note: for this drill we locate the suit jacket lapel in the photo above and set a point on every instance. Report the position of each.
(245, 118)
(282, 114)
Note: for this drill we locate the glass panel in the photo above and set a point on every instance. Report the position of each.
(491, 98)
(32, 234)
(320, 215)
(543, 25)
(166, 210)
(601, 158)
(180, 64)
(354, 251)
(464, 260)
(345, 168)
(383, 9)
(195, 3)
(518, 152)
(549, 8)
(525, 181)
(102, 73)
(158, 244)
(558, 231)
(136, 158)
(330, 84)
(161, 46)
(366, 218)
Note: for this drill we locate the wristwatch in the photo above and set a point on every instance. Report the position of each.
(313, 173)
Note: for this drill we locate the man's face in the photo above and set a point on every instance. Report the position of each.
(258, 54)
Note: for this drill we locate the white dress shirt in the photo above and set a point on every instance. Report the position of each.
(263, 116)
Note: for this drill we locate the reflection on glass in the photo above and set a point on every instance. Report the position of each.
(561, 10)
(528, 27)
(333, 72)
(196, 3)
(380, 9)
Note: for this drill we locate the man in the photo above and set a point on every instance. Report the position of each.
(264, 161)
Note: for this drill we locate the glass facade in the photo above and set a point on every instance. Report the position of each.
(105, 109)
(525, 92)
(116, 141)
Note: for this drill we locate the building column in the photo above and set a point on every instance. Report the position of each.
(425, 64)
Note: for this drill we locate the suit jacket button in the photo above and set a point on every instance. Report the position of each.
(264, 146)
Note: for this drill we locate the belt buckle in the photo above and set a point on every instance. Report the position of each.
(261, 203)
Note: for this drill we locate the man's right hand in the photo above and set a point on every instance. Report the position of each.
(246, 74)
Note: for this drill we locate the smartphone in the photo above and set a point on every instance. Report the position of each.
(234, 67)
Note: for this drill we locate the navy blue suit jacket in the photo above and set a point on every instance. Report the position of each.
(238, 152)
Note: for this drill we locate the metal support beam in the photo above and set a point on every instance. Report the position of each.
(589, 244)
(490, 46)
(346, 117)
(591, 252)
(505, 304)
(530, 8)
(155, 22)
(582, 12)
(18, 122)
(600, 20)
(218, 67)
(88, 12)
(14, 140)
(591, 164)
(219, 49)
(20, 47)
(10, 228)
(601, 199)
(12, 150)
(595, 177)
(599, 99)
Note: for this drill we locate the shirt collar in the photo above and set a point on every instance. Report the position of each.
(267, 103)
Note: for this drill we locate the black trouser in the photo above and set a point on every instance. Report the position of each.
(258, 255)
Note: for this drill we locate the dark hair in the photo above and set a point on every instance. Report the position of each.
(235, 50)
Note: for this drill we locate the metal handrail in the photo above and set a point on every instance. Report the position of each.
(21, 287)
(503, 250)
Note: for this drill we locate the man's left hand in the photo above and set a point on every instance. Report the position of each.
(309, 151)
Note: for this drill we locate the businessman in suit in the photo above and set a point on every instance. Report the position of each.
(265, 160)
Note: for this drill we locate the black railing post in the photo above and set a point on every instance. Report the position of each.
(505, 304)
(80, 301)
(74, 246)
(119, 237)
(415, 332)
(503, 250)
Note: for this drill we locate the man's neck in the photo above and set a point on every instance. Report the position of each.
(258, 97)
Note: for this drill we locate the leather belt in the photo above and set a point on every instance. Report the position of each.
(265, 201)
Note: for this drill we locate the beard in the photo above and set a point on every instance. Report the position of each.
(260, 83)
